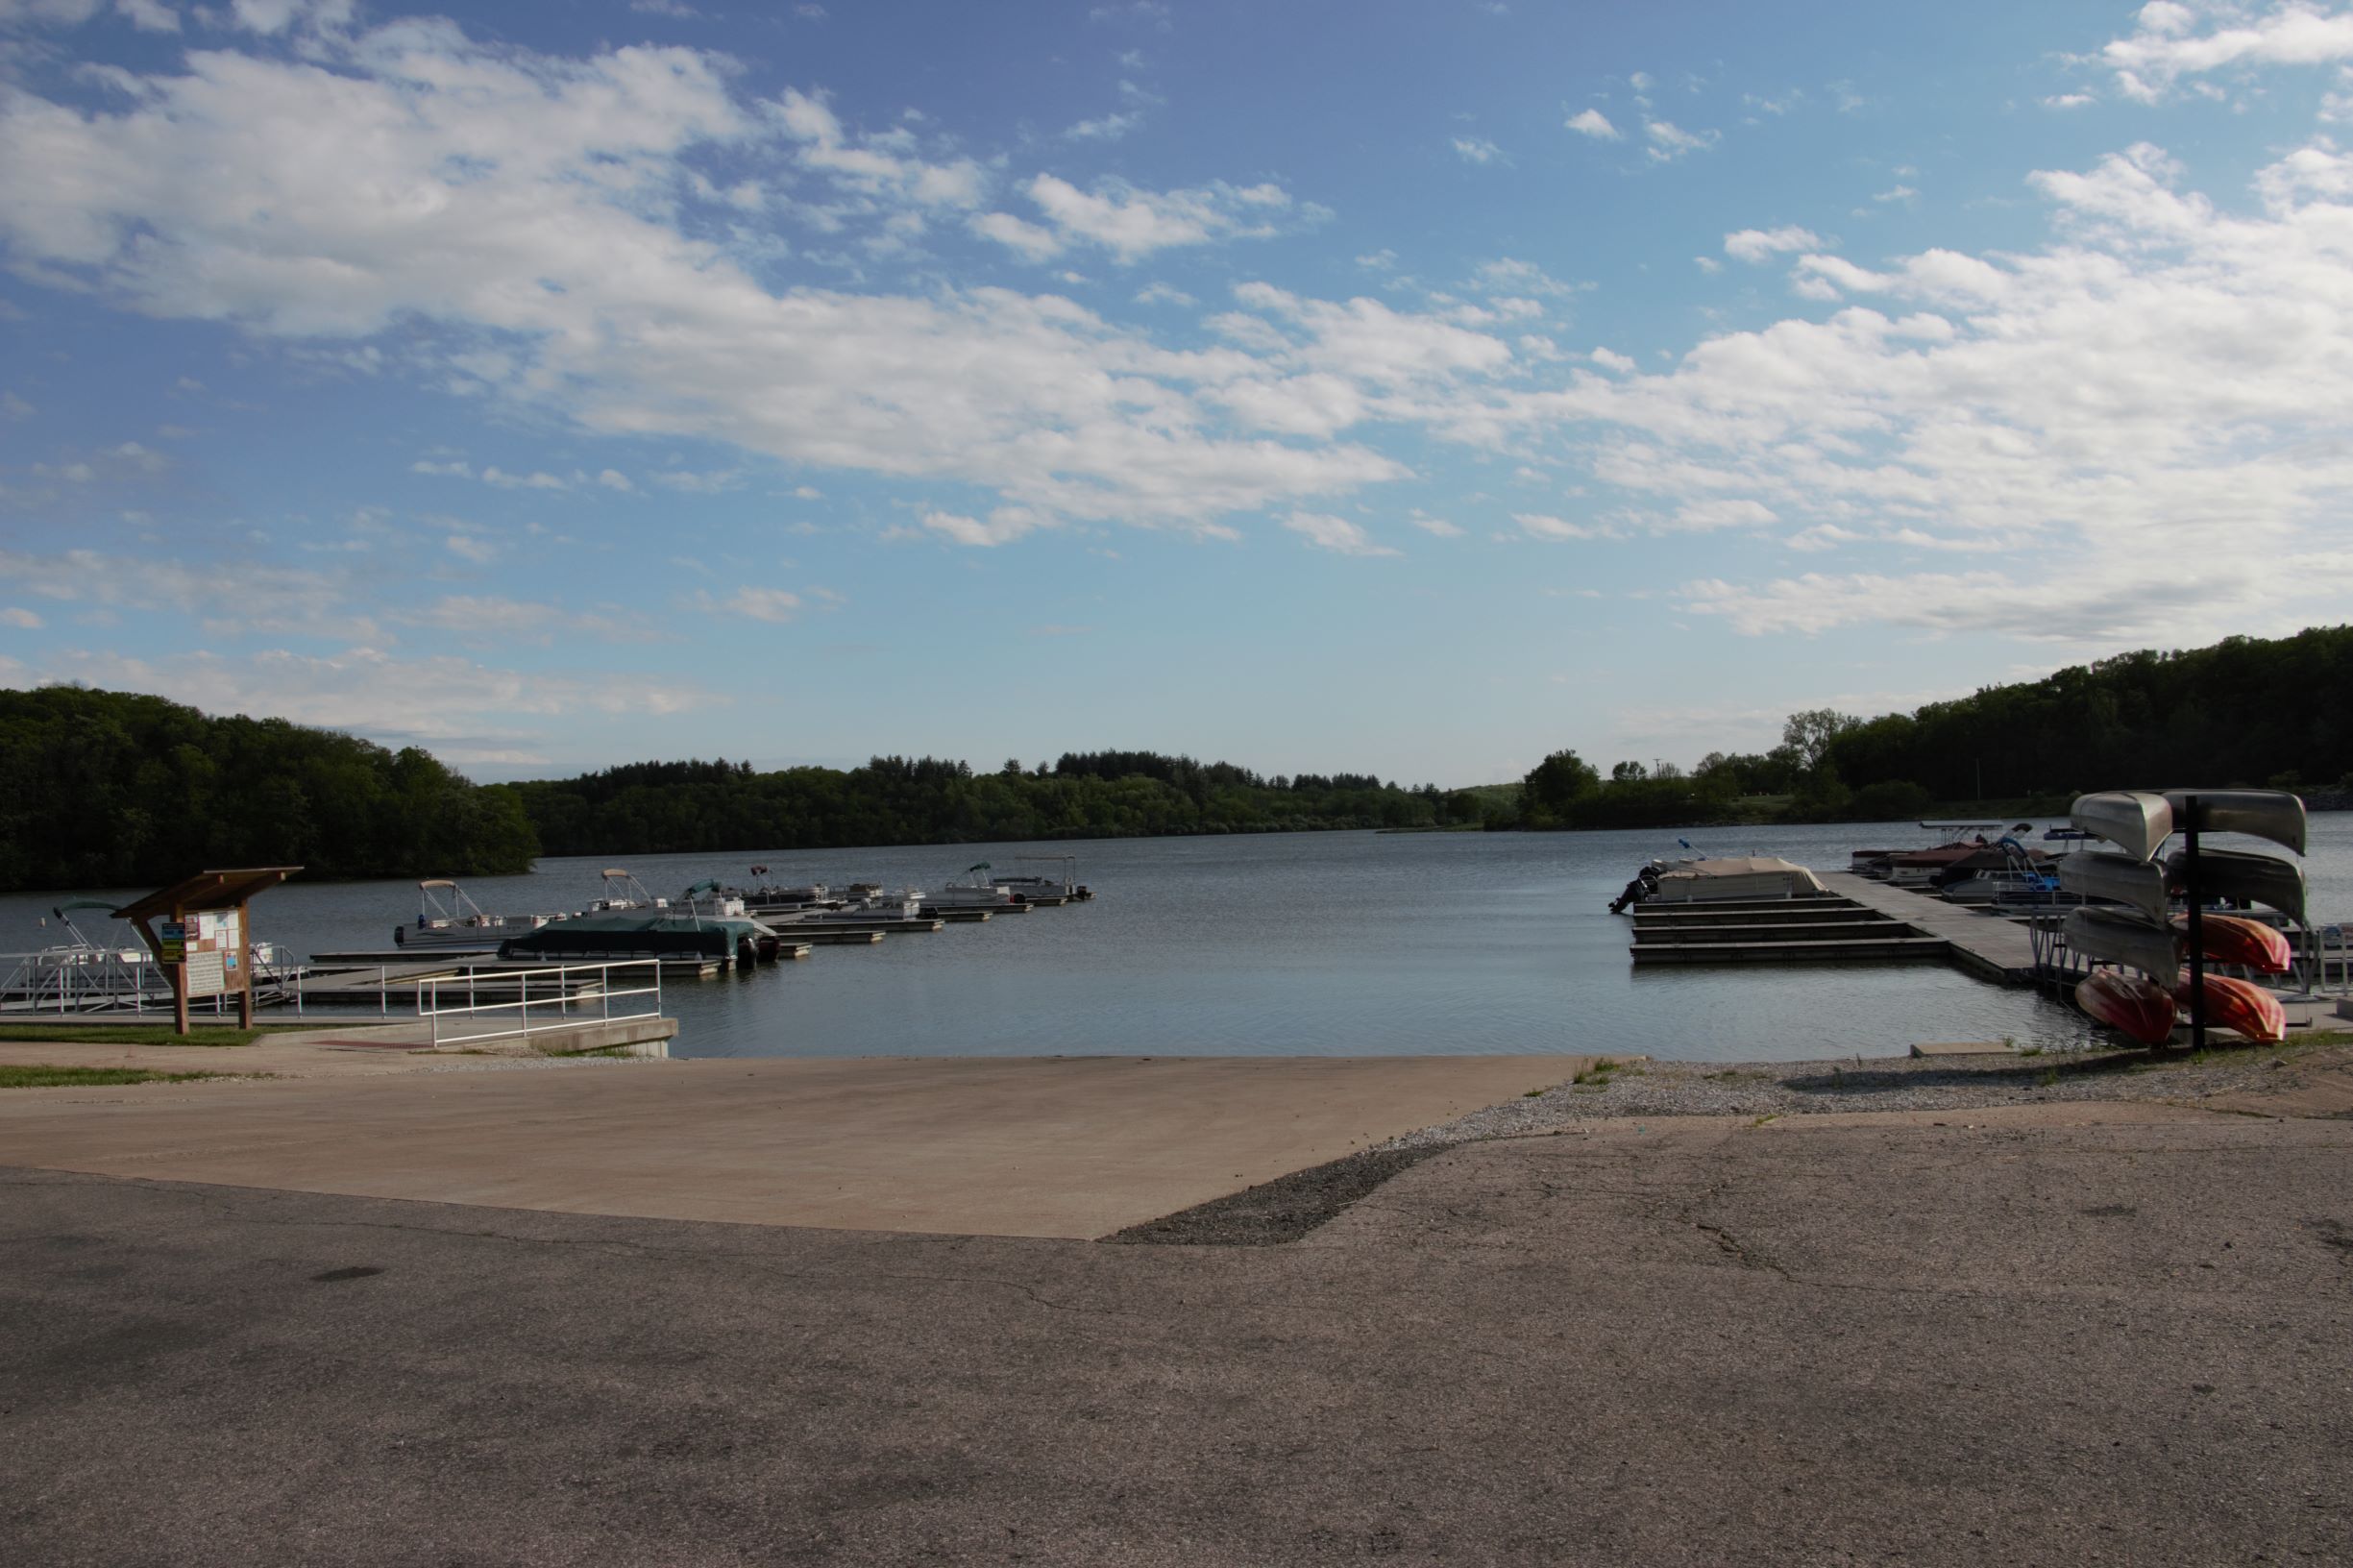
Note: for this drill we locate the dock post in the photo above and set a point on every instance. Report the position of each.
(2198, 925)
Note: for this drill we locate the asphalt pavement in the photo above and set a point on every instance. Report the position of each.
(1998, 1340)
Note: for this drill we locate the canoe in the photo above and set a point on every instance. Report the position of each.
(2115, 935)
(2134, 1004)
(2264, 814)
(2241, 1005)
(2236, 874)
(2249, 945)
(2103, 874)
(2135, 821)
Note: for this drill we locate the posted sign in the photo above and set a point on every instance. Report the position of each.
(209, 946)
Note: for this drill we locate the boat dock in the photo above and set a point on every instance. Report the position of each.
(1987, 944)
(1857, 919)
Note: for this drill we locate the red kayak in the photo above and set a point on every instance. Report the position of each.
(2132, 1003)
(2249, 945)
(2241, 1005)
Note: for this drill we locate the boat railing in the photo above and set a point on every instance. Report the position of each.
(538, 998)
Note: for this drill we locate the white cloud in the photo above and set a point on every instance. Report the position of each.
(432, 700)
(1506, 275)
(22, 620)
(1592, 122)
(2162, 375)
(504, 481)
(1762, 244)
(232, 596)
(612, 479)
(1132, 222)
(1162, 294)
(873, 166)
(12, 406)
(2173, 40)
(1034, 243)
(486, 614)
(688, 481)
(1105, 128)
(472, 548)
(1001, 526)
(1610, 360)
(1539, 525)
(1439, 526)
(270, 17)
(2068, 100)
(774, 605)
(1478, 150)
(1335, 533)
(1670, 141)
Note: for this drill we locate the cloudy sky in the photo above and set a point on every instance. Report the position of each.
(1404, 386)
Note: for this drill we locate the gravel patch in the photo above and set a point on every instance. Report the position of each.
(1291, 1206)
(1767, 1090)
(1283, 1209)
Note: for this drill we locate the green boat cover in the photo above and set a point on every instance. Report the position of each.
(634, 932)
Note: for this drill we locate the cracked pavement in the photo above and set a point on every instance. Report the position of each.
(2019, 1340)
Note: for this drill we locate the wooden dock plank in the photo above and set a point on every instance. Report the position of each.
(1862, 926)
(1850, 949)
(1986, 945)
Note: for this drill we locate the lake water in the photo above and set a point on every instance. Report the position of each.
(1317, 943)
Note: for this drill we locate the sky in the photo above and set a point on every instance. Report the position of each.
(1412, 388)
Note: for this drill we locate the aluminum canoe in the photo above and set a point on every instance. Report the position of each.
(2236, 873)
(2263, 814)
(2103, 873)
(2135, 821)
(2115, 936)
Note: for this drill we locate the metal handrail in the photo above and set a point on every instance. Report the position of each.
(560, 996)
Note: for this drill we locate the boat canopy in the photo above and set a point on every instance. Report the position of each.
(586, 935)
(1735, 876)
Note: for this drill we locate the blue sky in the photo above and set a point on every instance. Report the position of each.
(1413, 388)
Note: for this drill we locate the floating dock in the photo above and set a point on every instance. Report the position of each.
(1984, 943)
(1855, 919)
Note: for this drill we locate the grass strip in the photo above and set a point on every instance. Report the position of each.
(66, 1033)
(47, 1077)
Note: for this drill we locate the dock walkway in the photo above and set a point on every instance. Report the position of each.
(1853, 919)
(1985, 945)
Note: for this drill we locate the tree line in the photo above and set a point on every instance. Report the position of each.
(2245, 712)
(114, 789)
(675, 807)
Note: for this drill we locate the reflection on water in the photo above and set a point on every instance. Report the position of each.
(1314, 943)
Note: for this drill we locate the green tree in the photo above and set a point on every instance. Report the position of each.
(1553, 787)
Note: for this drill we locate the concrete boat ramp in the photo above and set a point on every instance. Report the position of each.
(1056, 1146)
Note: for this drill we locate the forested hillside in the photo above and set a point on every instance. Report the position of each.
(660, 807)
(2242, 711)
(112, 788)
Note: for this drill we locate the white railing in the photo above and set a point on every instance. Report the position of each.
(557, 993)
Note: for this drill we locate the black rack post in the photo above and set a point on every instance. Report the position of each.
(2198, 924)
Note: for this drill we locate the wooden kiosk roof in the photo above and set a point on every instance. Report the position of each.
(208, 890)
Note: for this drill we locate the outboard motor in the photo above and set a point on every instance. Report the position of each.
(1644, 884)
